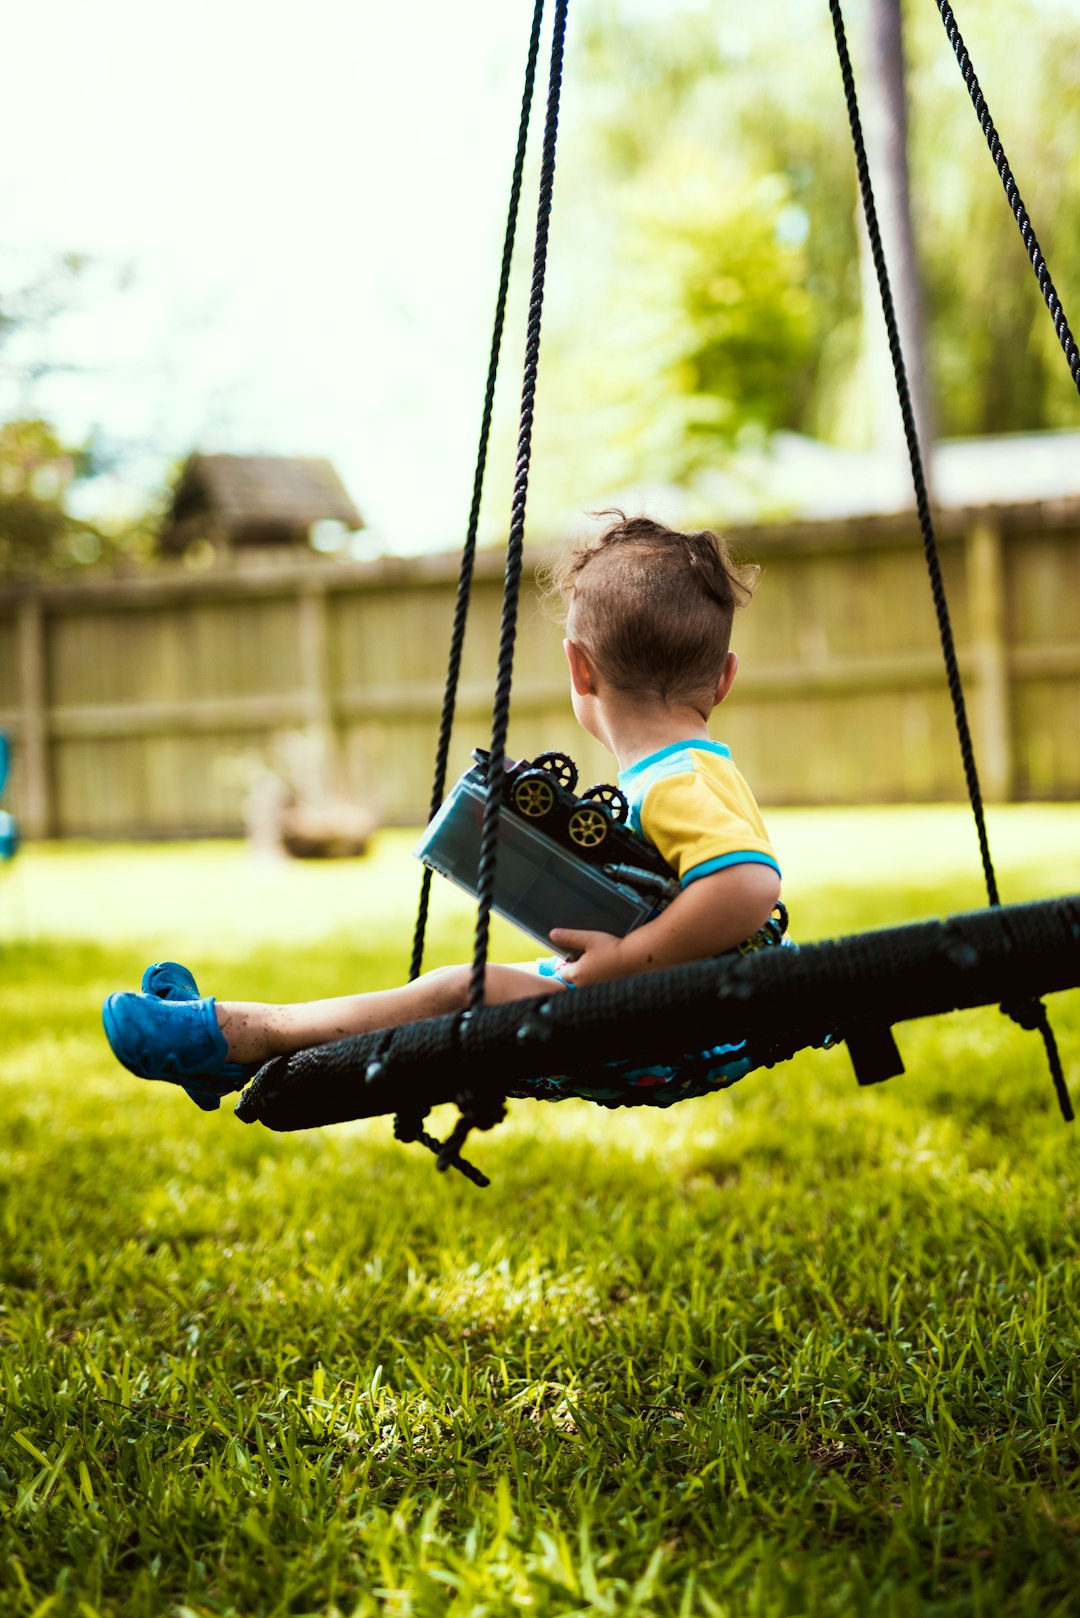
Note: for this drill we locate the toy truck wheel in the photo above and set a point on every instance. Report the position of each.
(562, 768)
(614, 801)
(533, 795)
(588, 827)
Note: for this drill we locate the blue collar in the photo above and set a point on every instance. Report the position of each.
(644, 764)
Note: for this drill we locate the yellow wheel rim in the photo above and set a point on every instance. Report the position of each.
(534, 798)
(588, 827)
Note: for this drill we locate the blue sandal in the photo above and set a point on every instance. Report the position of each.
(175, 1040)
(171, 981)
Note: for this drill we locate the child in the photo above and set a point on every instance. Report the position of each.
(648, 626)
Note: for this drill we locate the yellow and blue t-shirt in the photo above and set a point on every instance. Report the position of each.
(691, 803)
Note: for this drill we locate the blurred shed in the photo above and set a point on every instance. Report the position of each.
(239, 502)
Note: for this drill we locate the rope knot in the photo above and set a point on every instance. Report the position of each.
(409, 1126)
(1028, 1014)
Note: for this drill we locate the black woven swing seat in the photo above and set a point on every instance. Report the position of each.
(779, 1001)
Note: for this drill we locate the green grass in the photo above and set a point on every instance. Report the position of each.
(798, 1349)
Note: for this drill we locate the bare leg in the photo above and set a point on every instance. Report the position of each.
(255, 1032)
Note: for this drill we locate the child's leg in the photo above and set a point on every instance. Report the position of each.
(212, 1048)
(255, 1032)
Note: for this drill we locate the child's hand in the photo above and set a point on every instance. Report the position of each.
(713, 914)
(598, 956)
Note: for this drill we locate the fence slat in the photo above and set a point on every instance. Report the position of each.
(35, 803)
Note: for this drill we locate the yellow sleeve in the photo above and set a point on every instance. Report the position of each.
(703, 825)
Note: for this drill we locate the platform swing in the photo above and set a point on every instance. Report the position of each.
(769, 1004)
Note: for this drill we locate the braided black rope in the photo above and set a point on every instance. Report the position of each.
(409, 1127)
(1032, 1014)
(515, 545)
(937, 583)
(1012, 191)
(922, 499)
(465, 574)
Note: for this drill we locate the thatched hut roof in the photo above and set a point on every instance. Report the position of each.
(256, 500)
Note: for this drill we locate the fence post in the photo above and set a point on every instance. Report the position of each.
(990, 658)
(35, 797)
(314, 633)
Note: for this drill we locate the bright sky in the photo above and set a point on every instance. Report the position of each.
(309, 202)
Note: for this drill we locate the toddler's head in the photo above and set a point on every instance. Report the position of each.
(652, 608)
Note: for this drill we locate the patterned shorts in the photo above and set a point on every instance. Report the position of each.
(696, 1073)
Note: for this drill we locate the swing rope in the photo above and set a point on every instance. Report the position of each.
(1029, 1014)
(484, 1109)
(468, 555)
(512, 584)
(1012, 191)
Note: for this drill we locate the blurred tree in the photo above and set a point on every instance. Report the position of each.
(708, 324)
(884, 116)
(30, 307)
(39, 534)
(708, 207)
(995, 360)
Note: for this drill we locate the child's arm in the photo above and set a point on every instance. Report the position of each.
(710, 916)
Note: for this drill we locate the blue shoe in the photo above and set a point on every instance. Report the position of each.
(177, 1040)
(171, 981)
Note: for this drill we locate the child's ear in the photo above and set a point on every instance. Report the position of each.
(582, 675)
(723, 684)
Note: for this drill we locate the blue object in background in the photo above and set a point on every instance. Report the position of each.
(9, 826)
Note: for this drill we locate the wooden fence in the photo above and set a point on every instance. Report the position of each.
(138, 708)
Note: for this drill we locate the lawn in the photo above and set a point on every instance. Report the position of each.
(797, 1349)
